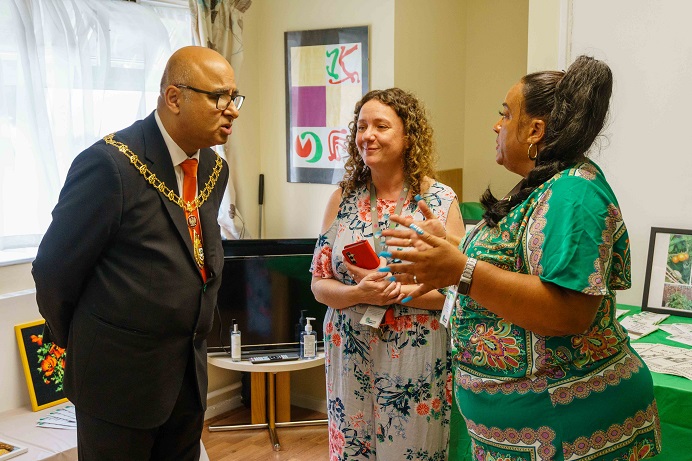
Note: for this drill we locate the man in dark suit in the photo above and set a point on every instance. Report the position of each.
(128, 281)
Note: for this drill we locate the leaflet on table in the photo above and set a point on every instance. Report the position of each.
(684, 339)
(669, 360)
(680, 332)
(637, 329)
(619, 312)
(652, 318)
(62, 418)
(10, 450)
(640, 325)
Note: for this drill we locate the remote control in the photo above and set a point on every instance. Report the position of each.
(274, 358)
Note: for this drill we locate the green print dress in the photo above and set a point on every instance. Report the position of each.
(531, 397)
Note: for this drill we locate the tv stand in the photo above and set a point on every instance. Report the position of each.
(277, 402)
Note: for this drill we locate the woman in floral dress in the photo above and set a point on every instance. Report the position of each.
(388, 387)
(543, 370)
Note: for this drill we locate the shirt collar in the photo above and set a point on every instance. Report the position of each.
(178, 155)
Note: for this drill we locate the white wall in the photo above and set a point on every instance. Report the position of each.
(429, 60)
(544, 44)
(496, 50)
(647, 156)
(16, 277)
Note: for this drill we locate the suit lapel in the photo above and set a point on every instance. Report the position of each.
(158, 159)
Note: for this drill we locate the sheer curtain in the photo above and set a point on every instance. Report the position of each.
(218, 24)
(71, 71)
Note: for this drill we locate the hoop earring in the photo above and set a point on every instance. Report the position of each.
(528, 153)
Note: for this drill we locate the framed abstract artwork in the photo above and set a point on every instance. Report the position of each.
(668, 284)
(326, 75)
(44, 365)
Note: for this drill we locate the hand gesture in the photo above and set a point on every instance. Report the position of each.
(432, 262)
(375, 285)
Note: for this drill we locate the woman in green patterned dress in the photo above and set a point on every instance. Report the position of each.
(543, 370)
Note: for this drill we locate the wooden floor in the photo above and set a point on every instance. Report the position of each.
(308, 443)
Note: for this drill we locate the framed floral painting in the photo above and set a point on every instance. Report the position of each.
(44, 365)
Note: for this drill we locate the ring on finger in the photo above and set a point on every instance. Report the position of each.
(415, 280)
(410, 242)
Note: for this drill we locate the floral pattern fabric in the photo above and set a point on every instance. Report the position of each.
(530, 397)
(389, 390)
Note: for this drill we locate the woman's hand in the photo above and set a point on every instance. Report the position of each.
(430, 223)
(375, 286)
(432, 262)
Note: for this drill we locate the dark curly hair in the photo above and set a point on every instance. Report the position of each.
(419, 158)
(574, 107)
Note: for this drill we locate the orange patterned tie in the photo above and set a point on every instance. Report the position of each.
(189, 167)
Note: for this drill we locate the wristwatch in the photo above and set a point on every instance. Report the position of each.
(466, 277)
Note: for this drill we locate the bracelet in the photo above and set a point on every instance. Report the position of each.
(466, 277)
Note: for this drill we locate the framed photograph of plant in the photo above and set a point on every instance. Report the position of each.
(44, 365)
(668, 284)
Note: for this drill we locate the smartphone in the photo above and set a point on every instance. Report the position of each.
(361, 254)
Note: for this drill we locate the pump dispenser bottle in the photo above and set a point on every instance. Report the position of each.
(235, 343)
(308, 343)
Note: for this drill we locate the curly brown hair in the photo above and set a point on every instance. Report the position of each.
(419, 158)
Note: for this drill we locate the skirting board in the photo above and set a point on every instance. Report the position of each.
(224, 405)
(311, 403)
(228, 398)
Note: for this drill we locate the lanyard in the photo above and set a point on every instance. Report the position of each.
(373, 212)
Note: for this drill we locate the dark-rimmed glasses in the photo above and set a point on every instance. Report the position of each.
(223, 100)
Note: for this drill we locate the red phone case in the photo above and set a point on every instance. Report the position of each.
(361, 254)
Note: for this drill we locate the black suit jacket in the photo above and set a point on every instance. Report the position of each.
(117, 283)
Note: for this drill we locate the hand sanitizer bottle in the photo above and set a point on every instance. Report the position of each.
(235, 343)
(308, 343)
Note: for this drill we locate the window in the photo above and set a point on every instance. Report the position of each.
(71, 72)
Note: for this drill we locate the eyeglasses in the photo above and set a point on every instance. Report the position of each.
(223, 100)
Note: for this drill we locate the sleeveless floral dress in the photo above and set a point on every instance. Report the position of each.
(530, 397)
(389, 390)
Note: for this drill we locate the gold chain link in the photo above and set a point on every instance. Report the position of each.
(160, 185)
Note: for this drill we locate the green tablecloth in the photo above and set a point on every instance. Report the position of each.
(673, 397)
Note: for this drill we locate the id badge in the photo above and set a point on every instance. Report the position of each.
(450, 301)
(373, 316)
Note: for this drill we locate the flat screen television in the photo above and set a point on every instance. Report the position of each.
(265, 287)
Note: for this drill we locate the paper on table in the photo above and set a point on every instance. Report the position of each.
(640, 325)
(680, 332)
(637, 329)
(651, 317)
(666, 359)
(62, 418)
(677, 328)
(684, 339)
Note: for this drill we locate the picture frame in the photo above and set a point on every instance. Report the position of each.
(668, 283)
(327, 73)
(44, 365)
(10, 450)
